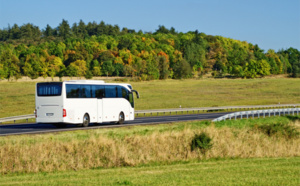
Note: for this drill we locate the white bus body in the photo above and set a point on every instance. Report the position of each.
(83, 102)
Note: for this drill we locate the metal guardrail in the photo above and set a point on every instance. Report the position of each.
(175, 110)
(15, 118)
(212, 109)
(258, 113)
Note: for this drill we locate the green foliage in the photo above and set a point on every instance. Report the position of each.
(279, 130)
(201, 141)
(182, 69)
(26, 50)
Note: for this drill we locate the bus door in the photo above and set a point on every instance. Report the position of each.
(98, 92)
(100, 110)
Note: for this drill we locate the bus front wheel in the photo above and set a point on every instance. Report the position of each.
(121, 118)
(86, 120)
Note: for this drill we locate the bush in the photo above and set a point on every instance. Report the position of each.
(279, 130)
(201, 141)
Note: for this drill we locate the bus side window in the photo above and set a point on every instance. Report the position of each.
(98, 91)
(124, 93)
(110, 91)
(73, 91)
(85, 91)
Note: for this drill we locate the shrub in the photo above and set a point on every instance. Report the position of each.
(280, 130)
(201, 141)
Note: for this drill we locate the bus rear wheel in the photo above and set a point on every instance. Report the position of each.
(86, 120)
(121, 118)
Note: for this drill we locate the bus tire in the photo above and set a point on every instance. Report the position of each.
(121, 118)
(86, 120)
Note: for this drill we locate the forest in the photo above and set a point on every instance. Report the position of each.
(102, 49)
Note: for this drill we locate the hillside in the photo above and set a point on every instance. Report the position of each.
(104, 50)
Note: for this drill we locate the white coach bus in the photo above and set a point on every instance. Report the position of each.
(83, 102)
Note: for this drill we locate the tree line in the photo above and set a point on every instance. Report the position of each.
(104, 50)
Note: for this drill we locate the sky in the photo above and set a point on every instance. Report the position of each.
(271, 24)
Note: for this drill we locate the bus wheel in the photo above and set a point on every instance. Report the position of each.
(121, 118)
(86, 120)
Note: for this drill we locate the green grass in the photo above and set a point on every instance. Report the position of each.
(148, 145)
(263, 171)
(17, 98)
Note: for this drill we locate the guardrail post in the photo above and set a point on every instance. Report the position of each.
(269, 113)
(247, 114)
(235, 116)
(14, 121)
(252, 114)
(26, 120)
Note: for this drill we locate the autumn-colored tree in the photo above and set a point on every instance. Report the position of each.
(77, 68)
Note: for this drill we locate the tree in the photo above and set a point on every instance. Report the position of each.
(55, 65)
(9, 65)
(48, 31)
(29, 31)
(182, 69)
(107, 68)
(77, 68)
(64, 29)
(163, 67)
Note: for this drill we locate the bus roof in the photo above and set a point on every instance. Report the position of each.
(95, 82)
(86, 81)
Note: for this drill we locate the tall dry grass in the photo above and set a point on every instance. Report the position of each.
(106, 151)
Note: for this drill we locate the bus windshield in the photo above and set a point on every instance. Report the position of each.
(49, 89)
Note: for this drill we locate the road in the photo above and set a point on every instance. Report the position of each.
(33, 128)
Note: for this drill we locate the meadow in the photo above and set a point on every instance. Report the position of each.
(17, 98)
(261, 151)
(145, 145)
(257, 171)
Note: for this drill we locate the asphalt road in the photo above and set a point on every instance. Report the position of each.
(33, 128)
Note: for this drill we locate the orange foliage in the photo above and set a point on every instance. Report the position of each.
(161, 53)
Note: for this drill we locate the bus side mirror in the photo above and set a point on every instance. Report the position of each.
(137, 93)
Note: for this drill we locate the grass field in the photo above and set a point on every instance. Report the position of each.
(17, 98)
(262, 171)
(143, 145)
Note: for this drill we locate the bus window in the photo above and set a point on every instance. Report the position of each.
(110, 91)
(49, 89)
(97, 91)
(124, 93)
(131, 99)
(85, 91)
(73, 91)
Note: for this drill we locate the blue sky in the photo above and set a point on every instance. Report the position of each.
(272, 24)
